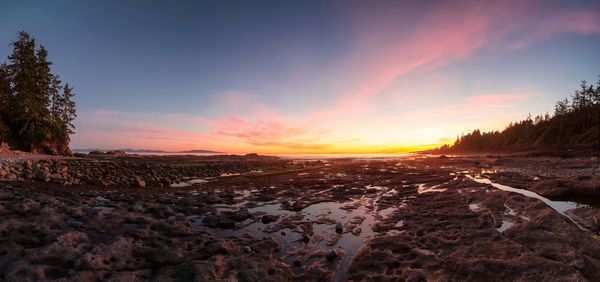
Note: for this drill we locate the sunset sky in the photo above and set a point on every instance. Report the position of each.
(307, 76)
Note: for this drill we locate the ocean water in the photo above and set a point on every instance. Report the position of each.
(289, 155)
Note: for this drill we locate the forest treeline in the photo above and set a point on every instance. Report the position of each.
(36, 110)
(574, 122)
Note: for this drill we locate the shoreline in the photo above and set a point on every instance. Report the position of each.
(338, 219)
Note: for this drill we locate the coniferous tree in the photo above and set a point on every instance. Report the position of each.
(22, 73)
(68, 110)
(5, 91)
(575, 122)
(33, 111)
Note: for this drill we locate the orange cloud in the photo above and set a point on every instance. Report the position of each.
(374, 62)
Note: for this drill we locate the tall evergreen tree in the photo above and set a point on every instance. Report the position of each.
(22, 73)
(5, 91)
(39, 115)
(68, 110)
(55, 102)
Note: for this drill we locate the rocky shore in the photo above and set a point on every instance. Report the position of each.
(421, 218)
(131, 170)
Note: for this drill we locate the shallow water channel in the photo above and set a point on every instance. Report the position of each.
(356, 217)
(559, 206)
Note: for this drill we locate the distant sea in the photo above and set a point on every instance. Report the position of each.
(343, 156)
(285, 156)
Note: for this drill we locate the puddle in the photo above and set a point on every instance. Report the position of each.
(508, 210)
(272, 209)
(505, 225)
(189, 182)
(375, 187)
(559, 206)
(104, 208)
(424, 189)
(355, 217)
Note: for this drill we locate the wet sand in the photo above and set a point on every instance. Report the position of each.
(422, 218)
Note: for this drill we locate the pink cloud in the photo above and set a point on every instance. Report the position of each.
(268, 128)
(374, 62)
(449, 32)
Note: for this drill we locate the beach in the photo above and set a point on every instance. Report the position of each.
(264, 218)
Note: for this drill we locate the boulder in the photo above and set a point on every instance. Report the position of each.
(266, 219)
(140, 183)
(4, 148)
(55, 176)
(42, 175)
(331, 255)
(339, 228)
(28, 165)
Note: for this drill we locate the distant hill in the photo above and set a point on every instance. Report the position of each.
(149, 151)
(575, 122)
(199, 152)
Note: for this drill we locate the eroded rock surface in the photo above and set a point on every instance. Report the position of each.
(383, 219)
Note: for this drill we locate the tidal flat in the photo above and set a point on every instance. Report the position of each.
(255, 218)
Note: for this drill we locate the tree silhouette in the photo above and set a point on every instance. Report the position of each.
(35, 115)
(575, 122)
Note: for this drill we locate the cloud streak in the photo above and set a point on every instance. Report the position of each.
(371, 74)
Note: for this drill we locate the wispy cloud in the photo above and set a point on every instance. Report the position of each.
(375, 61)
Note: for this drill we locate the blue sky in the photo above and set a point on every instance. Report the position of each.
(310, 76)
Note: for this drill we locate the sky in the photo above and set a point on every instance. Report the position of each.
(307, 76)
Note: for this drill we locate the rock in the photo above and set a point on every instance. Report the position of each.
(4, 148)
(283, 233)
(266, 219)
(42, 175)
(339, 228)
(238, 216)
(160, 211)
(140, 183)
(331, 255)
(247, 249)
(116, 153)
(568, 186)
(167, 257)
(218, 248)
(96, 153)
(55, 176)
(218, 221)
(166, 182)
(297, 262)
